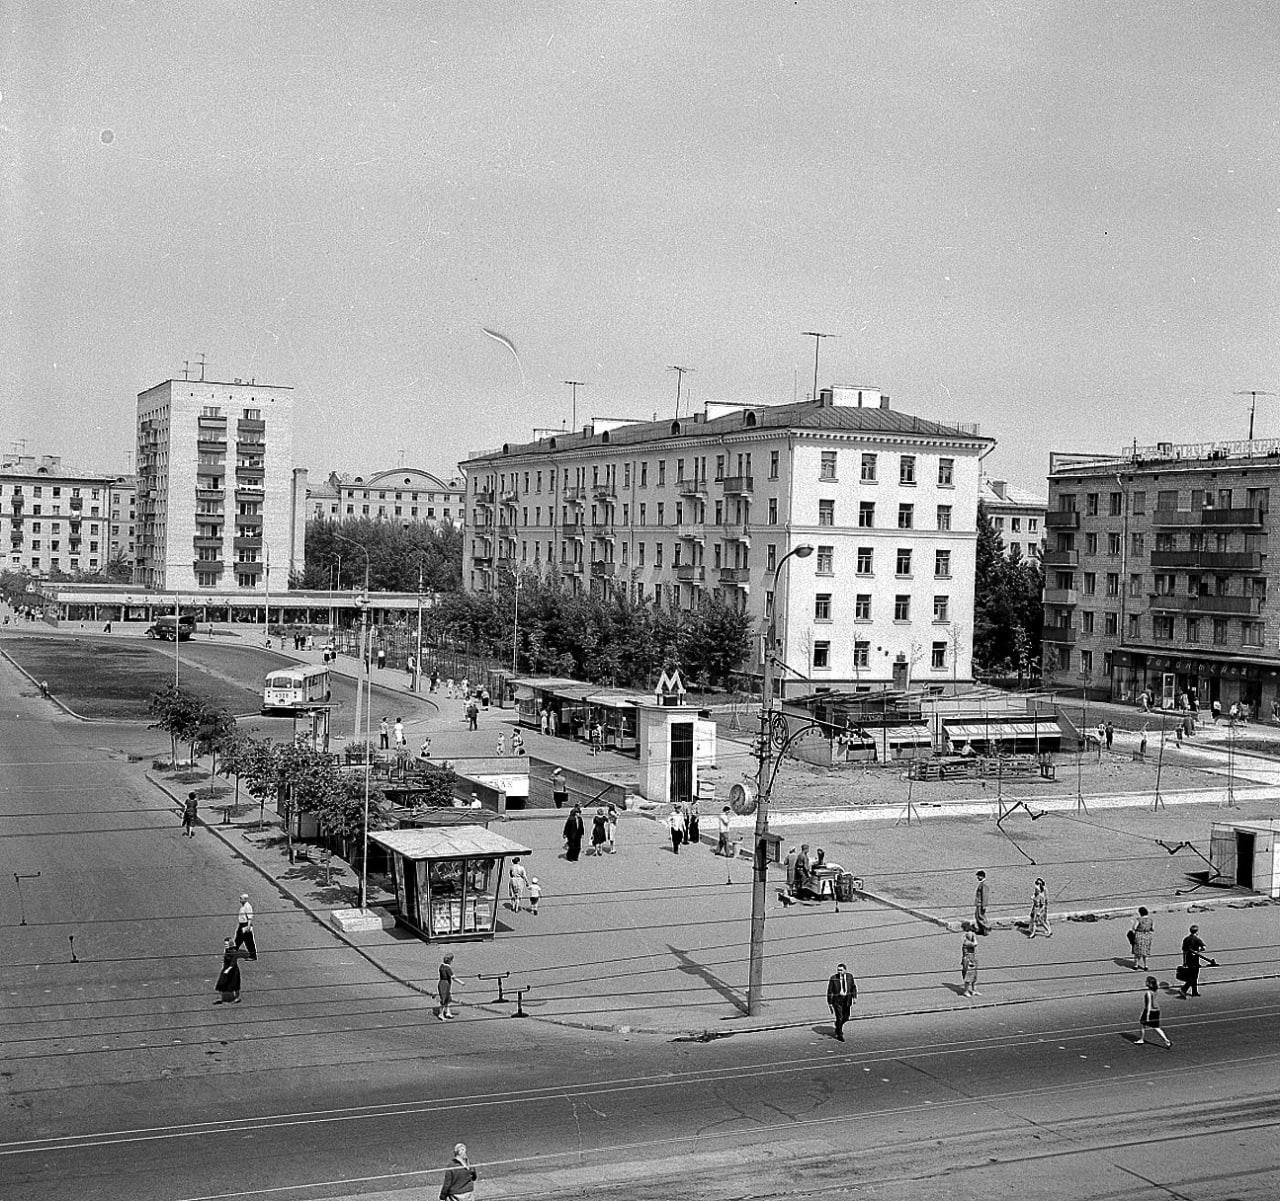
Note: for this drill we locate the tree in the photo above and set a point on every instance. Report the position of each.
(714, 642)
(177, 713)
(260, 768)
(433, 787)
(397, 554)
(1008, 615)
(237, 752)
(215, 728)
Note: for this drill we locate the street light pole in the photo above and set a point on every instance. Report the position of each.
(764, 787)
(417, 654)
(364, 632)
(515, 622)
(817, 342)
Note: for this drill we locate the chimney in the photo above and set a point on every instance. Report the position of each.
(884, 401)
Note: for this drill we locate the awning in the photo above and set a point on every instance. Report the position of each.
(906, 736)
(1002, 728)
(458, 842)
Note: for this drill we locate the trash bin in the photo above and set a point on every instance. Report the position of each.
(844, 888)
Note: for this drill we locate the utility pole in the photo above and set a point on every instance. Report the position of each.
(574, 385)
(1253, 394)
(817, 341)
(681, 372)
(202, 363)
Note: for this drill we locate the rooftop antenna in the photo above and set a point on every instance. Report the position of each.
(574, 385)
(202, 360)
(681, 372)
(817, 341)
(186, 368)
(1253, 393)
(18, 446)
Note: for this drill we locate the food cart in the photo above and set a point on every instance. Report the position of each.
(448, 878)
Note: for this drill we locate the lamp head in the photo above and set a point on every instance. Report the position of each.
(803, 551)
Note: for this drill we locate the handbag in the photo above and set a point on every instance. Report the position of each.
(1183, 972)
(1131, 936)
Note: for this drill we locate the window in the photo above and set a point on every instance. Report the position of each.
(1086, 663)
(1135, 625)
(662, 472)
(1193, 629)
(1109, 624)
(866, 514)
(826, 560)
(1220, 631)
(644, 513)
(904, 561)
(866, 560)
(902, 607)
(1253, 631)
(862, 607)
(1033, 524)
(941, 609)
(1113, 545)
(1117, 504)
(944, 517)
(1015, 524)
(822, 607)
(861, 654)
(1113, 583)
(657, 554)
(773, 510)
(719, 467)
(644, 475)
(826, 512)
(773, 465)
(1090, 583)
(828, 468)
(1091, 504)
(640, 554)
(907, 469)
(1162, 627)
(662, 513)
(1138, 544)
(821, 654)
(1135, 584)
(906, 517)
(938, 660)
(868, 474)
(1139, 503)
(1086, 622)
(942, 564)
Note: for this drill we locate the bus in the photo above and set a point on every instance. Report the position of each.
(168, 627)
(295, 687)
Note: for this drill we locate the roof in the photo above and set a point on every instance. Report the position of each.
(393, 477)
(1013, 498)
(457, 842)
(808, 415)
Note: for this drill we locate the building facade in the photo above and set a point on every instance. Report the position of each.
(220, 506)
(407, 495)
(54, 520)
(1016, 514)
(122, 538)
(675, 511)
(1156, 569)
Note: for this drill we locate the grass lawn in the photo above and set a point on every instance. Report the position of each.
(113, 679)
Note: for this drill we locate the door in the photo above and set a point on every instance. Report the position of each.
(1244, 858)
(681, 778)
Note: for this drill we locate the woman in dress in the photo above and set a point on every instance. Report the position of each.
(1140, 937)
(693, 828)
(599, 833)
(969, 961)
(1150, 1019)
(573, 832)
(228, 985)
(445, 989)
(1039, 923)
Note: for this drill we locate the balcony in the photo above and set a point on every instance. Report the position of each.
(1062, 634)
(602, 529)
(1208, 560)
(575, 495)
(254, 543)
(735, 531)
(738, 485)
(691, 534)
(248, 518)
(509, 496)
(577, 533)
(484, 496)
(203, 540)
(211, 446)
(204, 421)
(1062, 519)
(250, 446)
(1234, 517)
(570, 567)
(211, 494)
(209, 565)
(601, 569)
(249, 492)
(735, 575)
(1175, 517)
(604, 491)
(76, 503)
(1223, 606)
(1061, 596)
(1061, 558)
(249, 567)
(251, 423)
(506, 562)
(693, 489)
(691, 572)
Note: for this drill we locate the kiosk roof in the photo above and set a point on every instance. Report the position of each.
(456, 842)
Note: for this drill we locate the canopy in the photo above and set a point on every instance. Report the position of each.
(457, 842)
(1003, 727)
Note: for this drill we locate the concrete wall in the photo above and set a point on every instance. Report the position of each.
(584, 789)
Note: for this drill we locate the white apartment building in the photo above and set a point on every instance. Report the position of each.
(121, 540)
(220, 507)
(52, 519)
(1017, 515)
(675, 511)
(408, 495)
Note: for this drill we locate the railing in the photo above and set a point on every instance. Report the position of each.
(735, 575)
(602, 570)
(483, 496)
(693, 488)
(1062, 519)
(737, 485)
(1061, 596)
(1246, 516)
(692, 572)
(1061, 558)
(1247, 606)
(1062, 634)
(1177, 517)
(1208, 560)
(735, 531)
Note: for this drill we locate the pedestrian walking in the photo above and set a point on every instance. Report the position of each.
(244, 926)
(559, 789)
(484, 698)
(228, 983)
(398, 731)
(722, 833)
(842, 992)
(459, 1177)
(981, 902)
(435, 680)
(1111, 733)
(1177, 733)
(1150, 1019)
(613, 828)
(473, 715)
(384, 735)
(969, 961)
(190, 813)
(544, 720)
(1141, 935)
(792, 856)
(535, 895)
(1039, 923)
(1216, 709)
(448, 688)
(425, 752)
(448, 981)
(382, 657)
(675, 825)
(516, 880)
(517, 743)
(574, 829)
(553, 723)
(693, 823)
(502, 746)
(803, 866)
(599, 833)
(466, 688)
(1194, 954)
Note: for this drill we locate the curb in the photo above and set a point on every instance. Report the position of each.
(67, 709)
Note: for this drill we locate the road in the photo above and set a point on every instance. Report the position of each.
(122, 1079)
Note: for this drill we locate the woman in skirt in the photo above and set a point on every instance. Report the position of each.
(228, 985)
(1140, 938)
(1039, 923)
(599, 833)
(969, 961)
(1150, 1019)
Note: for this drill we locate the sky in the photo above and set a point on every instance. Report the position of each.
(1056, 220)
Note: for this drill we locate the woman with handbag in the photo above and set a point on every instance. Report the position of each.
(969, 961)
(1150, 1019)
(1039, 923)
(1141, 936)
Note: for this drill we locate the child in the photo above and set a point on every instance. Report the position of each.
(535, 895)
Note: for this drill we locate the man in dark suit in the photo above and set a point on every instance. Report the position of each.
(842, 991)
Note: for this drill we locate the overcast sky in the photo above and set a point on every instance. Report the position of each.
(1057, 220)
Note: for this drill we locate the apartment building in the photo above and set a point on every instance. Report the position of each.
(675, 511)
(53, 519)
(1017, 516)
(1156, 569)
(220, 506)
(121, 540)
(408, 495)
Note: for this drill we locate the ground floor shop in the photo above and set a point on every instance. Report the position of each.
(1176, 679)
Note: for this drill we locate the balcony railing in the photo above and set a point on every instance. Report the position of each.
(1247, 516)
(1208, 560)
(1066, 634)
(738, 485)
(735, 575)
(602, 570)
(575, 495)
(692, 572)
(1061, 596)
(570, 567)
(1245, 606)
(691, 534)
(603, 491)
(208, 564)
(1061, 558)
(1062, 519)
(693, 489)
(735, 531)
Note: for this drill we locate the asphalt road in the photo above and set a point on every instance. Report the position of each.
(122, 1079)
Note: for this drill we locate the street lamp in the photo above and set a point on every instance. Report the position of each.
(515, 620)
(759, 883)
(364, 633)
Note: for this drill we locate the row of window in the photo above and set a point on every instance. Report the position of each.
(382, 511)
(824, 608)
(55, 544)
(1015, 524)
(822, 660)
(54, 564)
(55, 490)
(1168, 500)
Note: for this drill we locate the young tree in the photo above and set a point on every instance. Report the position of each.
(237, 750)
(215, 728)
(259, 766)
(177, 713)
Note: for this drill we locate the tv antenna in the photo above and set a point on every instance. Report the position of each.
(681, 372)
(1253, 394)
(202, 362)
(817, 342)
(574, 385)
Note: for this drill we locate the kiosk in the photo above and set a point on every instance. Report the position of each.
(447, 879)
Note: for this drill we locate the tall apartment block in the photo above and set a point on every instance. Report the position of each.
(1156, 569)
(1017, 516)
(53, 520)
(675, 511)
(220, 507)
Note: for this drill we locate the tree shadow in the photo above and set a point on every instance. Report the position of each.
(718, 985)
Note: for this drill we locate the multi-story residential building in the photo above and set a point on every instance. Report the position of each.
(1016, 514)
(1156, 567)
(675, 511)
(52, 519)
(220, 505)
(121, 542)
(407, 495)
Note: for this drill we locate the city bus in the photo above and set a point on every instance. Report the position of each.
(168, 627)
(295, 687)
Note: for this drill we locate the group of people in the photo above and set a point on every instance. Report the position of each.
(517, 744)
(684, 824)
(228, 983)
(521, 885)
(386, 731)
(802, 869)
(604, 832)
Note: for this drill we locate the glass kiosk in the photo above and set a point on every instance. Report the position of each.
(447, 879)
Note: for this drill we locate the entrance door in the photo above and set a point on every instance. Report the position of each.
(681, 762)
(1244, 858)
